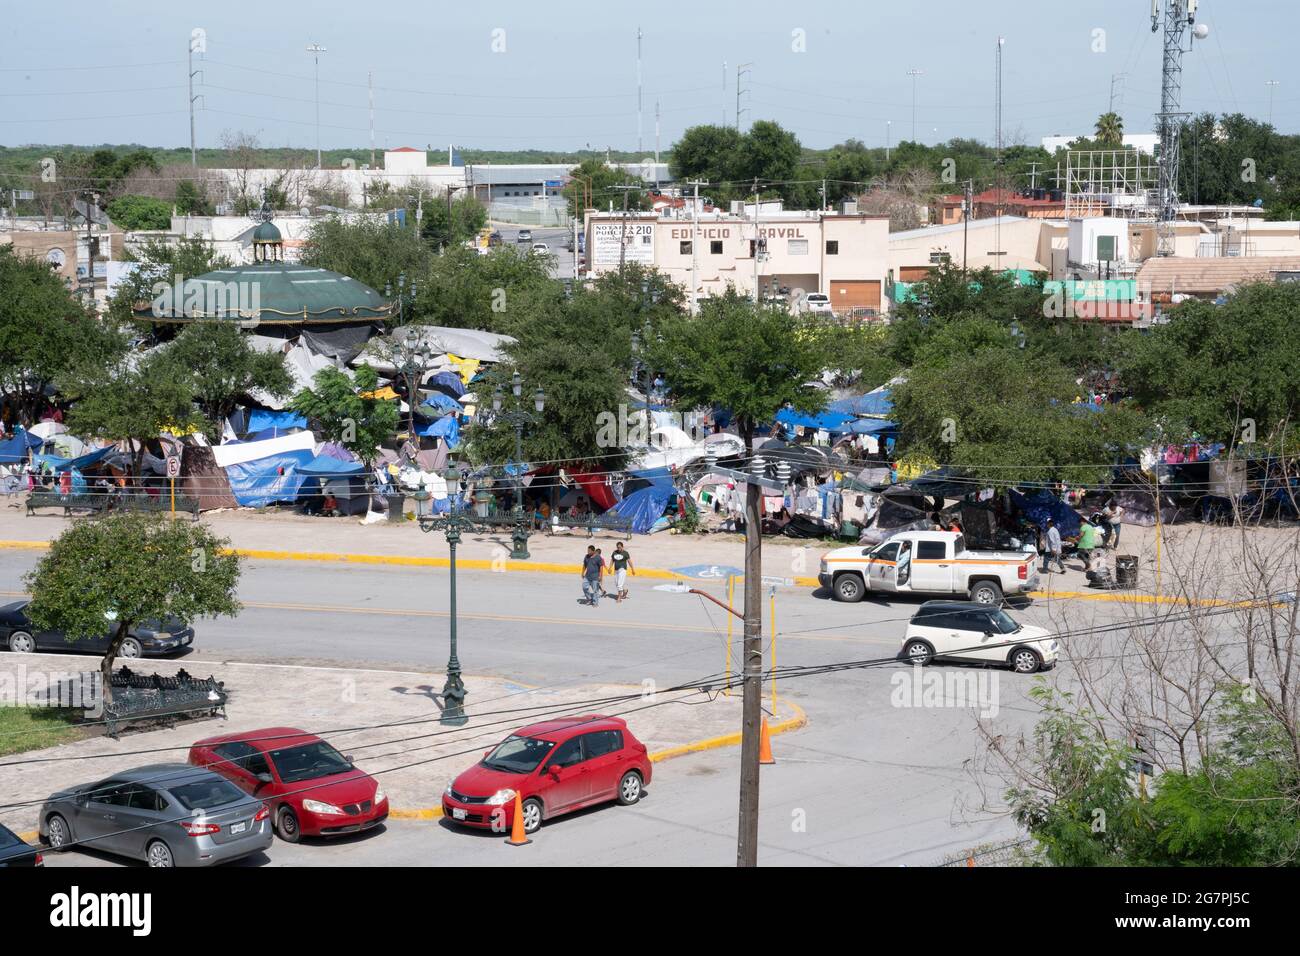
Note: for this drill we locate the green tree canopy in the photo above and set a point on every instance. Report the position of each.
(166, 262)
(339, 411)
(127, 568)
(43, 332)
(140, 212)
(595, 180)
(369, 251)
(225, 369)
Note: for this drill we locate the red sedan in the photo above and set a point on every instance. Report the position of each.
(311, 788)
(556, 767)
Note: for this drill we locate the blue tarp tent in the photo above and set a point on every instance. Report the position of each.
(447, 428)
(438, 403)
(260, 419)
(830, 421)
(14, 449)
(264, 480)
(653, 487)
(1040, 505)
(327, 466)
(448, 382)
(871, 426)
(876, 402)
(78, 464)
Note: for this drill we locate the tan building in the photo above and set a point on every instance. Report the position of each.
(65, 250)
(840, 255)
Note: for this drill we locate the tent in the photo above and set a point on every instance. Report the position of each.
(259, 419)
(447, 428)
(644, 506)
(203, 481)
(871, 426)
(75, 464)
(345, 480)
(47, 429)
(828, 420)
(437, 403)
(15, 449)
(446, 382)
(1040, 505)
(261, 481)
(876, 403)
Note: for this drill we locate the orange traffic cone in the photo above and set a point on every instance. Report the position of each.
(517, 835)
(970, 862)
(765, 745)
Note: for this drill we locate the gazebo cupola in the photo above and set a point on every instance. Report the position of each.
(268, 244)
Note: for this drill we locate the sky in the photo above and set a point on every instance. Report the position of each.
(515, 75)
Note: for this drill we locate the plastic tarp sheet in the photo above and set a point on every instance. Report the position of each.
(77, 464)
(262, 481)
(260, 418)
(15, 449)
(829, 421)
(1040, 505)
(447, 428)
(871, 426)
(438, 403)
(328, 466)
(876, 402)
(237, 453)
(645, 506)
(448, 382)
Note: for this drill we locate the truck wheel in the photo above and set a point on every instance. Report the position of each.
(848, 588)
(986, 592)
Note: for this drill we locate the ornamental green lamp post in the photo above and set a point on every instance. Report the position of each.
(518, 418)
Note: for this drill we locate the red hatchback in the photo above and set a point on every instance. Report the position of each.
(311, 788)
(556, 767)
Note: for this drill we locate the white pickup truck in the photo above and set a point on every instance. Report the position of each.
(928, 562)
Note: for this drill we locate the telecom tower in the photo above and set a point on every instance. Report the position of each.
(1178, 16)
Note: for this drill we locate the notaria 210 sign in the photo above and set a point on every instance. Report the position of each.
(635, 239)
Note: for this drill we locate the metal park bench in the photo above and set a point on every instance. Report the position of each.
(152, 698)
(591, 524)
(45, 498)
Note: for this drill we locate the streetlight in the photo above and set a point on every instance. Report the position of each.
(888, 124)
(315, 49)
(914, 74)
(453, 690)
(517, 418)
(414, 358)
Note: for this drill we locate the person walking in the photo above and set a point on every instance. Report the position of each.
(1113, 516)
(621, 562)
(1053, 552)
(591, 568)
(604, 569)
(1087, 542)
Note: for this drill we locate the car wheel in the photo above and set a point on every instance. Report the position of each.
(130, 648)
(918, 652)
(286, 824)
(1024, 660)
(629, 788)
(849, 588)
(986, 592)
(57, 832)
(20, 642)
(159, 854)
(532, 815)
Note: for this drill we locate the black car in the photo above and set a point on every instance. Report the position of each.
(150, 639)
(14, 852)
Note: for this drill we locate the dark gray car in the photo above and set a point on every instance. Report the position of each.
(169, 814)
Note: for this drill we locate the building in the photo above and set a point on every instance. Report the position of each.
(840, 255)
(85, 258)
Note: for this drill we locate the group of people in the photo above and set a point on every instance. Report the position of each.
(1094, 536)
(594, 569)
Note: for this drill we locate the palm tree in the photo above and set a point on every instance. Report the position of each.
(1110, 129)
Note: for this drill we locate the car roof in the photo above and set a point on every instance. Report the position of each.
(163, 775)
(562, 728)
(264, 738)
(936, 607)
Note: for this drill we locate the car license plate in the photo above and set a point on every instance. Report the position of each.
(457, 813)
(186, 639)
(238, 827)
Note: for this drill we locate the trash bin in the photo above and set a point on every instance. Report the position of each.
(1126, 570)
(396, 507)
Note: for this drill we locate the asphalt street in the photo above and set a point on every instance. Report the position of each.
(867, 781)
(555, 239)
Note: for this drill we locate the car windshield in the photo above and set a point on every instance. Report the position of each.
(206, 794)
(518, 754)
(1004, 622)
(308, 761)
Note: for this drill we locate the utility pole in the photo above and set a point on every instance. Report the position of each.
(968, 192)
(656, 144)
(1178, 16)
(1114, 77)
(315, 49)
(724, 92)
(914, 74)
(758, 243)
(695, 241)
(997, 210)
(742, 70)
(1272, 85)
(888, 123)
(622, 245)
(198, 43)
(370, 89)
(751, 664)
(638, 90)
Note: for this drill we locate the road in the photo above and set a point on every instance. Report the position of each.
(867, 781)
(554, 237)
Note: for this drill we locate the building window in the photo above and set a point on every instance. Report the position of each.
(684, 247)
(937, 257)
(715, 247)
(798, 247)
(832, 247)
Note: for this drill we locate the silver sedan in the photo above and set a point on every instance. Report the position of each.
(164, 814)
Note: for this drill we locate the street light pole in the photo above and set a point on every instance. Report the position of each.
(315, 49)
(914, 74)
(517, 418)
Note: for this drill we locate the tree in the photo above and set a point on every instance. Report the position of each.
(127, 569)
(133, 399)
(1205, 370)
(165, 262)
(133, 213)
(43, 331)
(225, 369)
(709, 153)
(1110, 130)
(191, 198)
(369, 250)
(339, 412)
(595, 180)
(495, 292)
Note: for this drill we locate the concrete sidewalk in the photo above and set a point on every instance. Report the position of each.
(333, 701)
